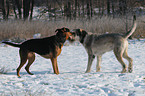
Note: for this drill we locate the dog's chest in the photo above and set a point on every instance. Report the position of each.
(52, 54)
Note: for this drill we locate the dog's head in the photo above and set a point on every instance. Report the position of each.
(78, 35)
(63, 33)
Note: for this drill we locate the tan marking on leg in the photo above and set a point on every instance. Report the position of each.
(130, 67)
(23, 58)
(118, 53)
(55, 66)
(31, 58)
(98, 63)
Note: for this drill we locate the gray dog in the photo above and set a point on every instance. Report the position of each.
(98, 45)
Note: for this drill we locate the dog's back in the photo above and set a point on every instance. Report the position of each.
(106, 42)
(41, 46)
(102, 43)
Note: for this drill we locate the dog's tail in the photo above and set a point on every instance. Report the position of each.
(12, 44)
(130, 32)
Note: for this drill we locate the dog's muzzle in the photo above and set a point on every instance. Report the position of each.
(72, 37)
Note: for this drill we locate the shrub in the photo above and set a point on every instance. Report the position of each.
(26, 30)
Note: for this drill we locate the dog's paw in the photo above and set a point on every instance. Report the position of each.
(124, 71)
(87, 71)
(97, 70)
(130, 70)
(31, 74)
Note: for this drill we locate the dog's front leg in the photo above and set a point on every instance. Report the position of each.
(90, 60)
(55, 66)
(99, 59)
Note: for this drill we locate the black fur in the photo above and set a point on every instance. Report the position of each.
(49, 47)
(82, 34)
(43, 46)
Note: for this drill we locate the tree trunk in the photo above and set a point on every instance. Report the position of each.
(113, 12)
(14, 8)
(83, 8)
(8, 7)
(26, 8)
(108, 7)
(19, 8)
(99, 5)
(79, 10)
(3, 10)
(125, 7)
(122, 7)
(91, 8)
(69, 11)
(75, 12)
(88, 10)
(32, 5)
(102, 7)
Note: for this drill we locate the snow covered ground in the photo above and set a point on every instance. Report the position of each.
(72, 80)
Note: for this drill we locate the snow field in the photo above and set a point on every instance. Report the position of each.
(72, 80)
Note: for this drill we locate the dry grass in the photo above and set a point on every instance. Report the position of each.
(26, 30)
(4, 70)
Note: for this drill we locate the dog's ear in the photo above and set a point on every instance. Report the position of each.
(84, 32)
(83, 35)
(64, 29)
(78, 32)
(81, 32)
(57, 30)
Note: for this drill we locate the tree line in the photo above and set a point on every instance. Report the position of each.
(71, 9)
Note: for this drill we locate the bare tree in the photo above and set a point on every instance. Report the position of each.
(67, 10)
(88, 10)
(103, 5)
(8, 8)
(14, 8)
(75, 12)
(122, 7)
(113, 11)
(83, 8)
(108, 7)
(26, 8)
(71, 9)
(91, 7)
(32, 5)
(3, 9)
(19, 8)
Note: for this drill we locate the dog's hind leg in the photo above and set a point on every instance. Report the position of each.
(55, 66)
(125, 55)
(99, 59)
(118, 53)
(90, 60)
(31, 58)
(23, 58)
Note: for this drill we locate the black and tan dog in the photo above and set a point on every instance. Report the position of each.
(98, 45)
(49, 47)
